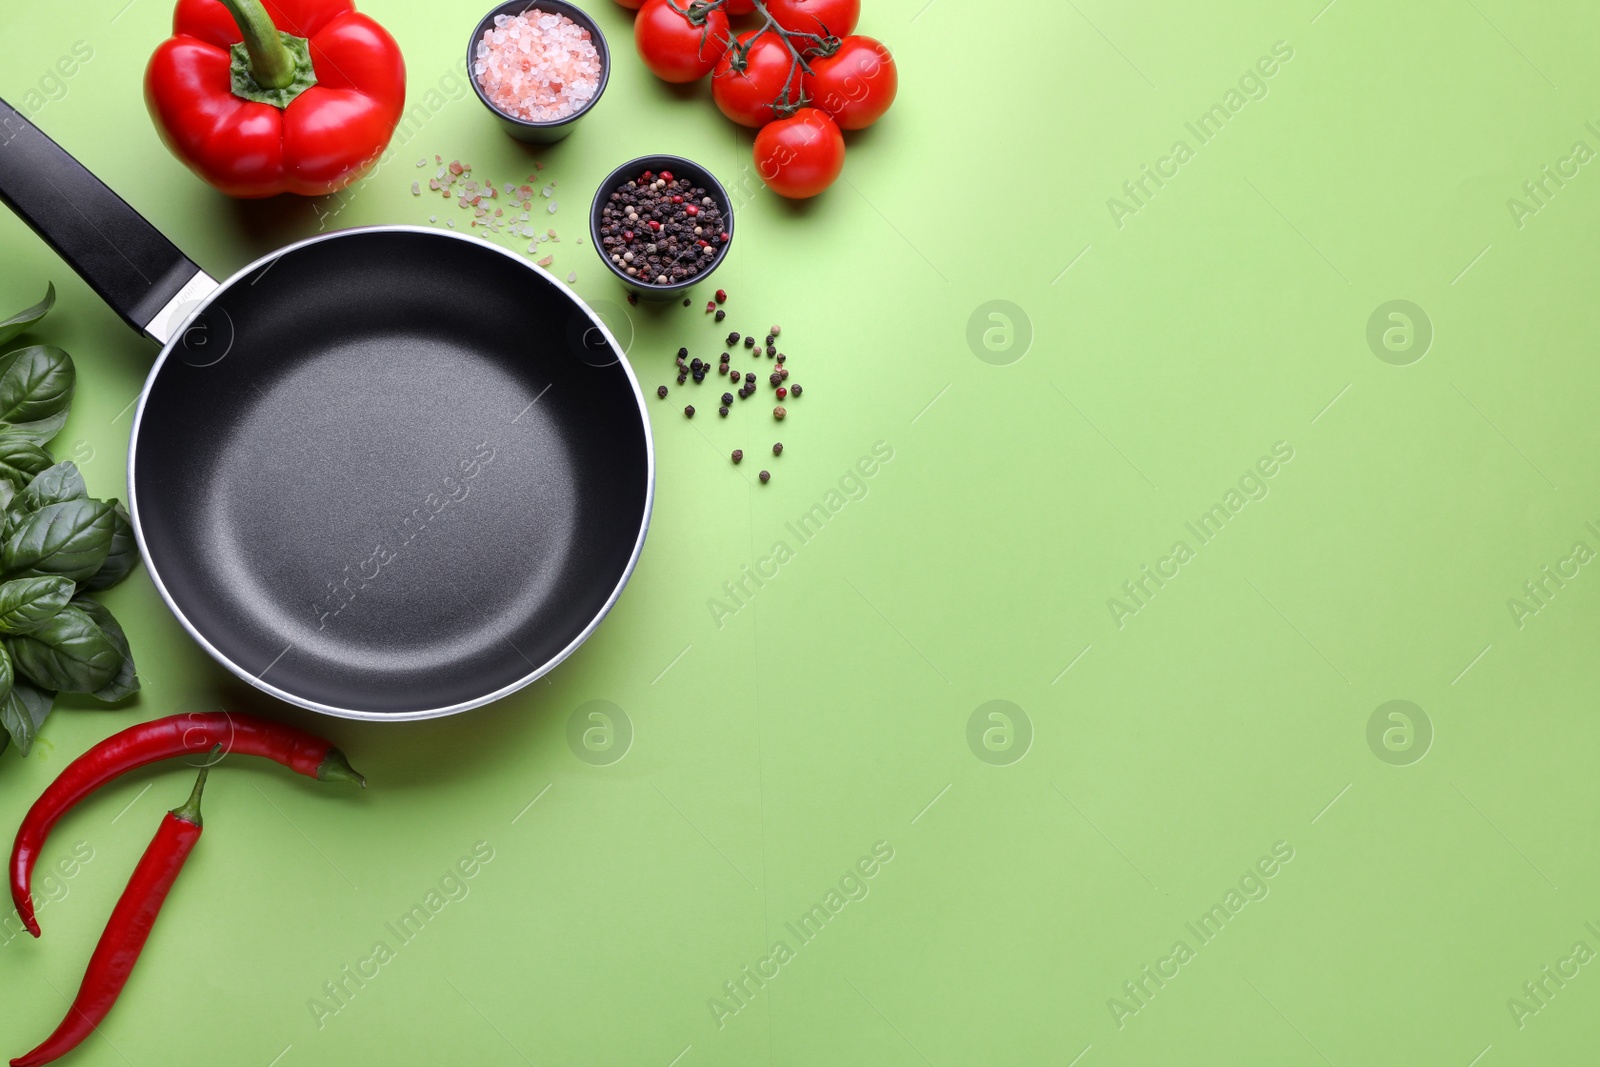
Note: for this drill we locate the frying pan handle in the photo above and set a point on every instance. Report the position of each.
(136, 270)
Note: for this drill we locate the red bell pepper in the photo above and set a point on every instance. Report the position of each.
(261, 97)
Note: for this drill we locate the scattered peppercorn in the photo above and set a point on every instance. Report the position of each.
(766, 476)
(772, 350)
(733, 339)
(722, 296)
(727, 398)
(769, 340)
(683, 376)
(782, 392)
(777, 449)
(782, 358)
(633, 298)
(723, 411)
(695, 364)
(794, 390)
(721, 314)
(685, 299)
(783, 374)
(749, 342)
(661, 391)
(777, 412)
(775, 331)
(710, 307)
(750, 378)
(773, 379)
(688, 412)
(738, 454)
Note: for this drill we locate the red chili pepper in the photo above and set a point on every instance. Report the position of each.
(150, 742)
(127, 929)
(297, 96)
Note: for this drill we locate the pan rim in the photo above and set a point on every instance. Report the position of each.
(256, 680)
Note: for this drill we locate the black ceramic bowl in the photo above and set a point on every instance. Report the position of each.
(680, 168)
(522, 129)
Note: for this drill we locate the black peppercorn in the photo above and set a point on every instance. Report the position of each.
(661, 391)
(727, 398)
(794, 390)
(738, 454)
(769, 339)
(777, 449)
(683, 353)
(696, 364)
(723, 411)
(774, 378)
(750, 378)
(766, 476)
(749, 342)
(688, 412)
(782, 357)
(733, 339)
(721, 314)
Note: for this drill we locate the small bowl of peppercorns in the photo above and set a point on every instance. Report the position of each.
(662, 224)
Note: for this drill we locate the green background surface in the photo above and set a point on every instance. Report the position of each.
(1149, 359)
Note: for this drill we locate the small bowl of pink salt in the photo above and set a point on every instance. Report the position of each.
(539, 66)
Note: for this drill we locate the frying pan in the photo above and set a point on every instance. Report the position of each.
(382, 473)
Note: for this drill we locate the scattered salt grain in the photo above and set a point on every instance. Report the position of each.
(546, 261)
(572, 277)
(537, 66)
(416, 188)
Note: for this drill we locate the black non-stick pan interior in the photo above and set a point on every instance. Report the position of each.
(391, 472)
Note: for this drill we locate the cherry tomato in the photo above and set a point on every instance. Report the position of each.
(674, 49)
(836, 17)
(741, 7)
(856, 84)
(747, 96)
(801, 156)
(633, 5)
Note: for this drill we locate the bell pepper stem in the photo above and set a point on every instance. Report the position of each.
(270, 62)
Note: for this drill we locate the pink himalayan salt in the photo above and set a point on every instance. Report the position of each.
(537, 66)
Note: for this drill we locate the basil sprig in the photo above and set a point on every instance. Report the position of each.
(56, 544)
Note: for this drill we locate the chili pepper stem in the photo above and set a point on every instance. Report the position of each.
(189, 810)
(336, 768)
(270, 62)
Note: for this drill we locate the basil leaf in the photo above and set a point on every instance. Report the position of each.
(53, 485)
(124, 553)
(69, 653)
(22, 320)
(127, 680)
(36, 386)
(20, 459)
(22, 713)
(28, 603)
(71, 539)
(7, 493)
